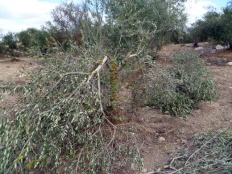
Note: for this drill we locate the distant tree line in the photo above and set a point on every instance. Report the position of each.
(103, 22)
(16, 44)
(114, 22)
(215, 26)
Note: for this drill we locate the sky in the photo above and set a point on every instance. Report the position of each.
(18, 15)
(195, 9)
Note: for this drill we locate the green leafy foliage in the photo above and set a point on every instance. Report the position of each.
(207, 153)
(61, 125)
(214, 26)
(10, 40)
(181, 87)
(34, 41)
(64, 121)
(195, 77)
(31, 41)
(2, 48)
(162, 93)
(8, 45)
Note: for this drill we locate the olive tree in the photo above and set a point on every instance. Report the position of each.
(214, 25)
(69, 120)
(66, 24)
(8, 45)
(34, 39)
(10, 40)
(226, 20)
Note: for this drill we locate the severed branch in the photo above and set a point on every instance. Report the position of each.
(123, 62)
(67, 74)
(86, 81)
(97, 69)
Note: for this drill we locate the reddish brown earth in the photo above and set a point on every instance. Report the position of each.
(159, 135)
(176, 132)
(13, 72)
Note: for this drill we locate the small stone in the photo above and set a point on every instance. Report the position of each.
(184, 141)
(166, 166)
(199, 48)
(166, 112)
(213, 51)
(144, 170)
(219, 47)
(161, 139)
(229, 63)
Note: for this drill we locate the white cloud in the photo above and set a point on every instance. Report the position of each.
(17, 15)
(195, 9)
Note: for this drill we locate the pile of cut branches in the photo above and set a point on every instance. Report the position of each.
(61, 125)
(180, 87)
(208, 153)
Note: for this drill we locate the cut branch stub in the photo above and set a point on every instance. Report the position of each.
(97, 69)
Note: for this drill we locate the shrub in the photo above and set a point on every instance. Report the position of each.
(2, 48)
(180, 87)
(195, 77)
(162, 92)
(10, 40)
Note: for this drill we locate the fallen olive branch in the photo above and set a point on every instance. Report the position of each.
(206, 159)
